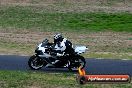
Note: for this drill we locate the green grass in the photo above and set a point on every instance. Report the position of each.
(35, 18)
(9, 47)
(29, 18)
(20, 79)
(108, 55)
(28, 49)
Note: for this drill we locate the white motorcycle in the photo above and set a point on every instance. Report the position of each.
(46, 57)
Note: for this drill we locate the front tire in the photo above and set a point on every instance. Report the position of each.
(35, 63)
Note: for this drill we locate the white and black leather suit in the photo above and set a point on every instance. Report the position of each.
(63, 46)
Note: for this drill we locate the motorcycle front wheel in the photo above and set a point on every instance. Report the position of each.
(35, 63)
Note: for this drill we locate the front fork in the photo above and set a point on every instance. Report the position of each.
(39, 60)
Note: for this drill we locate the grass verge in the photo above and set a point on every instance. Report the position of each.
(79, 27)
(28, 49)
(27, 17)
(19, 79)
(108, 55)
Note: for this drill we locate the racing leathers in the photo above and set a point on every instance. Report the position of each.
(63, 47)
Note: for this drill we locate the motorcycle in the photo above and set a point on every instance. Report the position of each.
(46, 57)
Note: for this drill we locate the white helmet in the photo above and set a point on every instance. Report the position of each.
(58, 37)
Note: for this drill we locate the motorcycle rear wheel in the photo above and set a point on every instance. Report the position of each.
(81, 60)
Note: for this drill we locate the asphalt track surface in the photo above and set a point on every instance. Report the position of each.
(93, 66)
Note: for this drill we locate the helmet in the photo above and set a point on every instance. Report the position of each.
(58, 37)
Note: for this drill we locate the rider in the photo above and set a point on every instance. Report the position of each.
(62, 45)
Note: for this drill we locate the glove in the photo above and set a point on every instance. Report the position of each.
(58, 54)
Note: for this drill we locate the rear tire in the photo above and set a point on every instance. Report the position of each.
(34, 64)
(81, 61)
